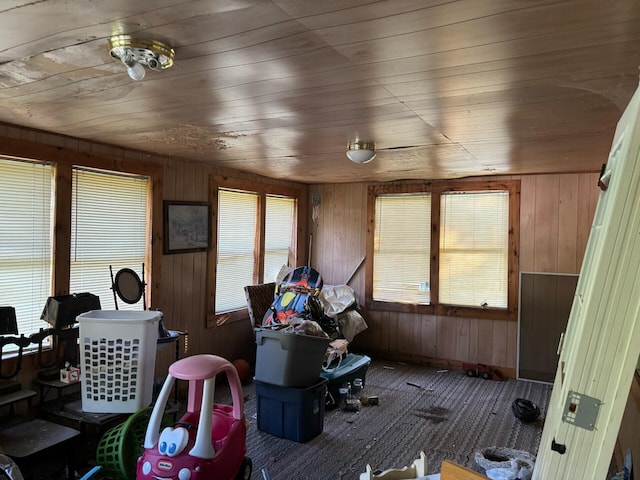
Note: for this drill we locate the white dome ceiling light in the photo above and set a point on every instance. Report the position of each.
(361, 152)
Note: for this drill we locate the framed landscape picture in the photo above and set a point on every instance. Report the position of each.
(187, 227)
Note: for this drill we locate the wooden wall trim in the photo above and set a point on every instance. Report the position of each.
(440, 363)
(62, 228)
(635, 389)
(371, 225)
(514, 246)
(266, 188)
(22, 149)
(435, 250)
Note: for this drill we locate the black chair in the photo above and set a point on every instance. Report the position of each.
(8, 330)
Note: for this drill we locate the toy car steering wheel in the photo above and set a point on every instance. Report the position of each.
(186, 425)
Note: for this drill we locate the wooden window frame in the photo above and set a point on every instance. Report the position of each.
(105, 177)
(437, 188)
(64, 159)
(216, 183)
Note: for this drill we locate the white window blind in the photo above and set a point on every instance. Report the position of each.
(26, 196)
(402, 248)
(237, 222)
(474, 245)
(279, 225)
(108, 228)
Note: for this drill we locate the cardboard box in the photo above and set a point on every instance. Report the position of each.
(71, 375)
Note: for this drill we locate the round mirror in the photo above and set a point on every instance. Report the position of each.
(128, 286)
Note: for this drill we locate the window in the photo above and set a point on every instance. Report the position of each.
(108, 231)
(256, 236)
(402, 248)
(237, 220)
(474, 248)
(278, 237)
(445, 248)
(26, 197)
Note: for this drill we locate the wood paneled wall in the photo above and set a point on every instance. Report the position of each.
(556, 213)
(180, 290)
(555, 220)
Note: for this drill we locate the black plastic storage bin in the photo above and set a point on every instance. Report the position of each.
(294, 413)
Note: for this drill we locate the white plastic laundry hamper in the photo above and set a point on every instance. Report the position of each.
(117, 359)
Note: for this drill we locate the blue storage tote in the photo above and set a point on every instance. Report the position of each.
(352, 366)
(292, 413)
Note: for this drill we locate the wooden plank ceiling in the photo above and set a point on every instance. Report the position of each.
(446, 89)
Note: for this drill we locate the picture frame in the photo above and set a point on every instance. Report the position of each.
(187, 226)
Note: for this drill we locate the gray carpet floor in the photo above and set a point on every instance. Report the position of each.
(447, 415)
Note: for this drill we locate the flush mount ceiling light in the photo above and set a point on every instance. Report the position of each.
(135, 53)
(361, 152)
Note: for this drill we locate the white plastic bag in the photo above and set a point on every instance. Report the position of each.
(9, 468)
(336, 299)
(502, 457)
(525, 472)
(510, 473)
(520, 469)
(500, 474)
(336, 303)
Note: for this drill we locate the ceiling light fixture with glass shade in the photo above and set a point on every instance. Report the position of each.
(136, 53)
(361, 152)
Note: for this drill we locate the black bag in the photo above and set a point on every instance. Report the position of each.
(313, 311)
(8, 321)
(525, 410)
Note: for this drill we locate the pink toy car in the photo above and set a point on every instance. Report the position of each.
(209, 441)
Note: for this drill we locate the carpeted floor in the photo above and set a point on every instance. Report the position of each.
(449, 416)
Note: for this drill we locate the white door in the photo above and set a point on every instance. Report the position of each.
(602, 342)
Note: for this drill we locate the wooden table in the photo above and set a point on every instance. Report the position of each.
(13, 397)
(60, 387)
(71, 413)
(24, 440)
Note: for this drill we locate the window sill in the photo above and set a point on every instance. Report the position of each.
(444, 310)
(8, 355)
